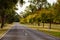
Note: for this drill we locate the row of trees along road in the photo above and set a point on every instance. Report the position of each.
(7, 13)
(41, 11)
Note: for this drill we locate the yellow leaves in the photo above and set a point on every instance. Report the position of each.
(43, 11)
(31, 16)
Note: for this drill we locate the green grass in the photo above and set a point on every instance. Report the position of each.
(52, 33)
(55, 31)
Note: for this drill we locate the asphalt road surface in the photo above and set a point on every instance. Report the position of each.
(20, 32)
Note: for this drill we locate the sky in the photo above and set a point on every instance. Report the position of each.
(20, 9)
(23, 7)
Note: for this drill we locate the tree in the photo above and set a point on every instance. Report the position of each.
(43, 18)
(50, 19)
(38, 3)
(4, 6)
(38, 20)
(32, 8)
(16, 18)
(57, 12)
(10, 16)
(21, 2)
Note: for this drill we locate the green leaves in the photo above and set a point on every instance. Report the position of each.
(21, 2)
(6, 7)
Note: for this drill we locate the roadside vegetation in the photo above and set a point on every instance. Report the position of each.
(5, 29)
(39, 13)
(43, 17)
(8, 15)
(54, 31)
(7, 11)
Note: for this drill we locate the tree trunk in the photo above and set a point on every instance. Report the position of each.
(38, 23)
(50, 26)
(43, 24)
(2, 22)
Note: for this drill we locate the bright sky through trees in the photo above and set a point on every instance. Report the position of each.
(52, 1)
(20, 9)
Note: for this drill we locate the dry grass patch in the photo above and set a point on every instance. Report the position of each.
(55, 31)
(5, 29)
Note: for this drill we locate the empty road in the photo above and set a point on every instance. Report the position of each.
(20, 32)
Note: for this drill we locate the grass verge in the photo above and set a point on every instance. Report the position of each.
(53, 32)
(5, 29)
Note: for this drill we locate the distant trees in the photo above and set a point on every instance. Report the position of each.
(38, 3)
(38, 21)
(57, 12)
(43, 18)
(50, 19)
(43, 13)
(16, 18)
(12, 17)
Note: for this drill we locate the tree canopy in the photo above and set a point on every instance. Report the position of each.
(7, 8)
